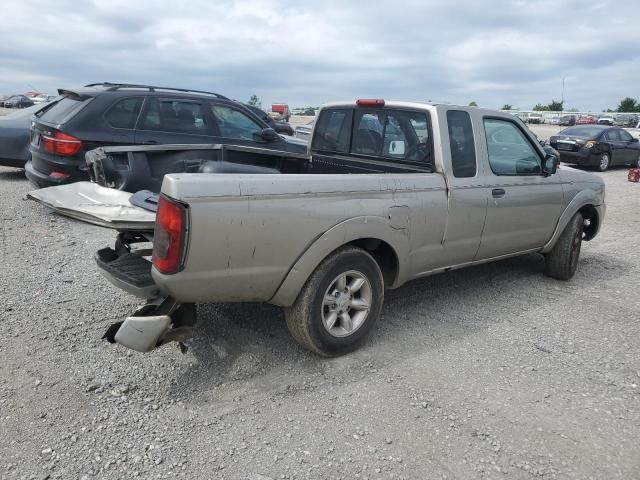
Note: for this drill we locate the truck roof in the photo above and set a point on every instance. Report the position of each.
(413, 105)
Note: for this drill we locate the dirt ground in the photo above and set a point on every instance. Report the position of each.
(493, 372)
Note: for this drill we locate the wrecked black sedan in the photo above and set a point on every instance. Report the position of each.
(597, 146)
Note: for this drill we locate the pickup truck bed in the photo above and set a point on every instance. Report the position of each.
(144, 167)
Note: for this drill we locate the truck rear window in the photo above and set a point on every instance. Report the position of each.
(62, 110)
(401, 135)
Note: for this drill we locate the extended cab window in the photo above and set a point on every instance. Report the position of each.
(124, 113)
(463, 150)
(393, 134)
(175, 116)
(332, 130)
(235, 124)
(510, 152)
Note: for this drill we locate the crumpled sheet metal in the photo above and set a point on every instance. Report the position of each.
(92, 203)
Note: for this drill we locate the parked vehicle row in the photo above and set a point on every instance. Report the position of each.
(375, 203)
(622, 120)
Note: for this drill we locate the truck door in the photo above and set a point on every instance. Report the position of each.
(523, 206)
(467, 203)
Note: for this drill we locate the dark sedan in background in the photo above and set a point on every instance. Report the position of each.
(567, 120)
(17, 101)
(15, 136)
(597, 146)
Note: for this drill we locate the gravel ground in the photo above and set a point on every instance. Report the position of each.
(489, 373)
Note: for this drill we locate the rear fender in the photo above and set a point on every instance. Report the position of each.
(341, 234)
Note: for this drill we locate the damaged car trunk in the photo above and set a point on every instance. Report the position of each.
(142, 168)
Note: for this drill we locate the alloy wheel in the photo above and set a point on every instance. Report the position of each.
(346, 303)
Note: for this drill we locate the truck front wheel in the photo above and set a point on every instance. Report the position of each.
(562, 261)
(339, 305)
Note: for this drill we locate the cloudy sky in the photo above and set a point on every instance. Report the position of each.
(307, 52)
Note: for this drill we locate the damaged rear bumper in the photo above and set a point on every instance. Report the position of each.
(162, 319)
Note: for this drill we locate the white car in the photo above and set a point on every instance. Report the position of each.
(535, 118)
(39, 99)
(605, 121)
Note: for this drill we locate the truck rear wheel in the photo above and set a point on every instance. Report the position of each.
(562, 261)
(339, 305)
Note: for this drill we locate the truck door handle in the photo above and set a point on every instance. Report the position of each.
(150, 142)
(498, 192)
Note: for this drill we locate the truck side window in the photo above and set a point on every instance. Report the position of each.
(463, 149)
(332, 130)
(510, 153)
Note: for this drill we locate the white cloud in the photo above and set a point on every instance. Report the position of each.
(493, 52)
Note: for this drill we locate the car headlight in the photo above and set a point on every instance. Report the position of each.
(590, 144)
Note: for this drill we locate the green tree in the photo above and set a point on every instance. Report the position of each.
(506, 106)
(473, 104)
(255, 101)
(628, 104)
(555, 106)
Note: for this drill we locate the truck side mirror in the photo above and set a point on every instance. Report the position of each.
(550, 164)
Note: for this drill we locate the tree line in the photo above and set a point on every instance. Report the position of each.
(627, 105)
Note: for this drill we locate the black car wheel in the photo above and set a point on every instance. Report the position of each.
(636, 164)
(604, 162)
(562, 261)
(339, 305)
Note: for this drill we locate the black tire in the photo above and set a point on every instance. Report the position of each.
(562, 261)
(306, 317)
(604, 161)
(636, 163)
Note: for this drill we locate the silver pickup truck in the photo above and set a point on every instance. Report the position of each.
(390, 192)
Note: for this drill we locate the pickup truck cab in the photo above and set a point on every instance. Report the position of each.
(390, 192)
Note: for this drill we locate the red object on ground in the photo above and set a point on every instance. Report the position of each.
(634, 175)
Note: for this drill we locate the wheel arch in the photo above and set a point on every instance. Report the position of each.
(386, 245)
(592, 217)
(585, 204)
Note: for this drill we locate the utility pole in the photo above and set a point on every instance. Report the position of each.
(562, 94)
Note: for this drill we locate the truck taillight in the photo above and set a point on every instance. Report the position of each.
(61, 144)
(169, 236)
